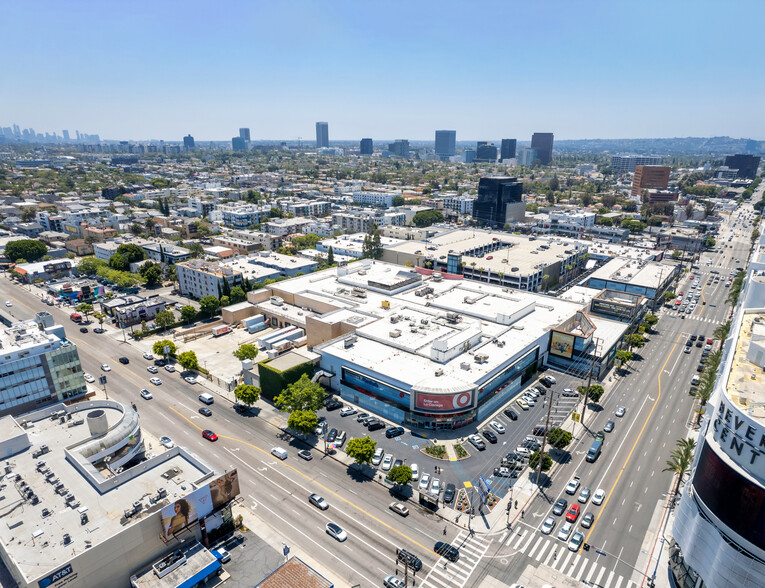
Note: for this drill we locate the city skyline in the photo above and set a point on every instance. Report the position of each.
(574, 72)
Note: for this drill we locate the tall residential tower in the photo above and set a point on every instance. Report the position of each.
(322, 135)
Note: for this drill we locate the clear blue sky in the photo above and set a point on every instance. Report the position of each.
(579, 68)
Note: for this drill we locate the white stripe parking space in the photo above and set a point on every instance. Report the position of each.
(555, 554)
(446, 574)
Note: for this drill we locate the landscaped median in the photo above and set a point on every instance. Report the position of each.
(450, 451)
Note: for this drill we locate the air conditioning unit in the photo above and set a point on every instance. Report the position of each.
(481, 358)
(439, 372)
(395, 333)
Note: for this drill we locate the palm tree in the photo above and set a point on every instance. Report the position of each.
(721, 332)
(680, 460)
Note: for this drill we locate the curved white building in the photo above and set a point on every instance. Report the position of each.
(719, 527)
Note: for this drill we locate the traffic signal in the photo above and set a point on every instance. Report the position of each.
(586, 547)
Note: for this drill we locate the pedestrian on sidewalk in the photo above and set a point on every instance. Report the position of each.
(523, 512)
(444, 530)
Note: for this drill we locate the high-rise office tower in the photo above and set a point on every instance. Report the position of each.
(238, 144)
(66, 135)
(485, 151)
(399, 147)
(621, 164)
(745, 164)
(543, 144)
(507, 150)
(322, 135)
(649, 177)
(500, 200)
(366, 147)
(446, 142)
(188, 142)
(244, 133)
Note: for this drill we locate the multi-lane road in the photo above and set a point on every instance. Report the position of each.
(659, 410)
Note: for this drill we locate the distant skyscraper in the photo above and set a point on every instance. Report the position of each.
(446, 142)
(507, 151)
(527, 156)
(649, 177)
(66, 135)
(500, 200)
(188, 142)
(468, 155)
(244, 133)
(366, 147)
(322, 135)
(745, 164)
(543, 143)
(486, 151)
(238, 144)
(621, 164)
(399, 147)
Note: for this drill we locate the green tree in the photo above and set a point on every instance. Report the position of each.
(677, 254)
(28, 249)
(188, 314)
(209, 305)
(196, 250)
(247, 394)
(558, 438)
(331, 256)
(425, 218)
(635, 340)
(237, 295)
(398, 201)
(668, 296)
(361, 449)
(623, 356)
(188, 359)
(131, 252)
(400, 475)
(164, 318)
(651, 319)
(100, 317)
(246, 351)
(89, 266)
(224, 301)
(534, 461)
(302, 395)
(159, 348)
(303, 421)
(680, 460)
(85, 308)
(595, 394)
(151, 272)
(721, 332)
(119, 263)
(604, 221)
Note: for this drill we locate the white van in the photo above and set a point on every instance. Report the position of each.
(279, 452)
(206, 398)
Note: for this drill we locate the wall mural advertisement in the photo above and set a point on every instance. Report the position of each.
(448, 402)
(181, 513)
(562, 344)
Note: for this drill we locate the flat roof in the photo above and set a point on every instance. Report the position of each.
(648, 274)
(174, 470)
(745, 387)
(293, 573)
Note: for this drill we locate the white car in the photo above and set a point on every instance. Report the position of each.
(378, 456)
(570, 392)
(336, 531)
(105, 367)
(90, 379)
(424, 481)
(8, 303)
(146, 395)
(167, 442)
(497, 427)
(415, 472)
(148, 356)
(565, 531)
(435, 487)
(155, 381)
(347, 411)
(190, 379)
(387, 462)
(572, 486)
(529, 400)
(599, 496)
(576, 541)
(152, 369)
(548, 526)
(169, 368)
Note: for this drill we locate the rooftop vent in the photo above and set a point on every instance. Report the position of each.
(439, 372)
(481, 358)
(67, 539)
(465, 366)
(395, 333)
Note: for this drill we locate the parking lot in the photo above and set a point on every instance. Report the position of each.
(409, 448)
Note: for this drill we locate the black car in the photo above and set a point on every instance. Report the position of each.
(547, 383)
(449, 493)
(333, 405)
(415, 563)
(159, 362)
(693, 337)
(376, 426)
(205, 411)
(541, 389)
(560, 507)
(689, 343)
(539, 431)
(511, 414)
(124, 360)
(700, 343)
(83, 329)
(490, 437)
(447, 551)
(332, 435)
(394, 432)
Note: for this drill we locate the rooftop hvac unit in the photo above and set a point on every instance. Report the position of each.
(465, 366)
(424, 321)
(395, 333)
(481, 358)
(439, 372)
(394, 318)
(348, 343)
(67, 539)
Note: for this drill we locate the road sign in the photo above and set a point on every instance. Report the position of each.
(575, 416)
(102, 380)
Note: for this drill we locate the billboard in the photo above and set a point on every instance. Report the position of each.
(441, 402)
(183, 512)
(562, 344)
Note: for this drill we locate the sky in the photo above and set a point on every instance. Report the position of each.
(161, 69)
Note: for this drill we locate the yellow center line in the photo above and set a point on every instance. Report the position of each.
(626, 461)
(313, 481)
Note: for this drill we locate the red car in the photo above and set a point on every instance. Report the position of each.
(709, 341)
(210, 436)
(573, 513)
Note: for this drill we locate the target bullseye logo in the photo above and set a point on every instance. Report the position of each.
(462, 400)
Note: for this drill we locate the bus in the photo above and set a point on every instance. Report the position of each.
(594, 451)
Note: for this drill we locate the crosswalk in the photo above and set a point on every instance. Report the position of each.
(555, 554)
(446, 574)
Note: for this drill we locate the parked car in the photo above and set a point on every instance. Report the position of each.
(148, 356)
(511, 414)
(415, 472)
(569, 392)
(424, 482)
(477, 442)
(378, 456)
(166, 442)
(90, 379)
(449, 492)
(333, 404)
(362, 416)
(490, 436)
(394, 432)
(170, 368)
(387, 462)
(399, 509)
(347, 411)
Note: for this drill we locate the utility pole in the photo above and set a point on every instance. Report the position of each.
(589, 381)
(544, 440)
